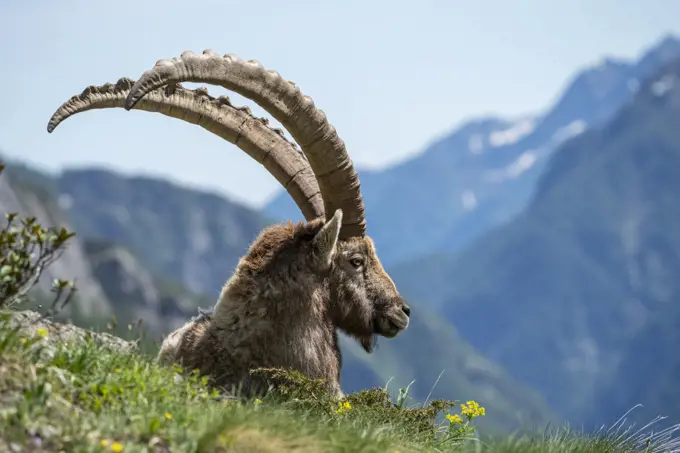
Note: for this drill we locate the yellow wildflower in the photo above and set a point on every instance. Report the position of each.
(41, 332)
(472, 409)
(104, 443)
(116, 447)
(168, 415)
(454, 419)
(258, 401)
(343, 407)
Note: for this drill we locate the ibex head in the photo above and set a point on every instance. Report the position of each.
(364, 301)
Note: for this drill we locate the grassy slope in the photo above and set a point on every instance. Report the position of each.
(82, 397)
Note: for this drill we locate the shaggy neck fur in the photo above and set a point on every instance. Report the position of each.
(274, 312)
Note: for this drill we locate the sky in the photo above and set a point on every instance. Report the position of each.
(392, 76)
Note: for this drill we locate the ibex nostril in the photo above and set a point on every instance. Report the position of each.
(406, 309)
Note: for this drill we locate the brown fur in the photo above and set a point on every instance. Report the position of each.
(296, 285)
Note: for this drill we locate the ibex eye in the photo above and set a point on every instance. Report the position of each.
(356, 262)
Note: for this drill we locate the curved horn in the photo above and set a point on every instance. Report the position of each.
(266, 145)
(308, 125)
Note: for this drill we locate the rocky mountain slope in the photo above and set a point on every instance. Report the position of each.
(578, 295)
(485, 171)
(137, 294)
(191, 236)
(112, 282)
(30, 194)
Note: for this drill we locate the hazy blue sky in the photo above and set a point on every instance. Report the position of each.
(391, 75)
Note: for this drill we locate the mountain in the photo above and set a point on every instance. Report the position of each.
(442, 364)
(578, 295)
(484, 172)
(649, 370)
(30, 193)
(111, 281)
(194, 237)
(129, 228)
(137, 294)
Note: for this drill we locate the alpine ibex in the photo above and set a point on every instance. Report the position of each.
(297, 284)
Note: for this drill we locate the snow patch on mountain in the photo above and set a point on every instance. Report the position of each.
(663, 85)
(520, 165)
(512, 134)
(572, 129)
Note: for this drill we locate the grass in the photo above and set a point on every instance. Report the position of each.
(83, 397)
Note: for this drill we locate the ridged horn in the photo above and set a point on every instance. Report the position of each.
(266, 145)
(325, 150)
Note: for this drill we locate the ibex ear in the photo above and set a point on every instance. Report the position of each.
(325, 241)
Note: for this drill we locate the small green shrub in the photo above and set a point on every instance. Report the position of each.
(292, 388)
(26, 249)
